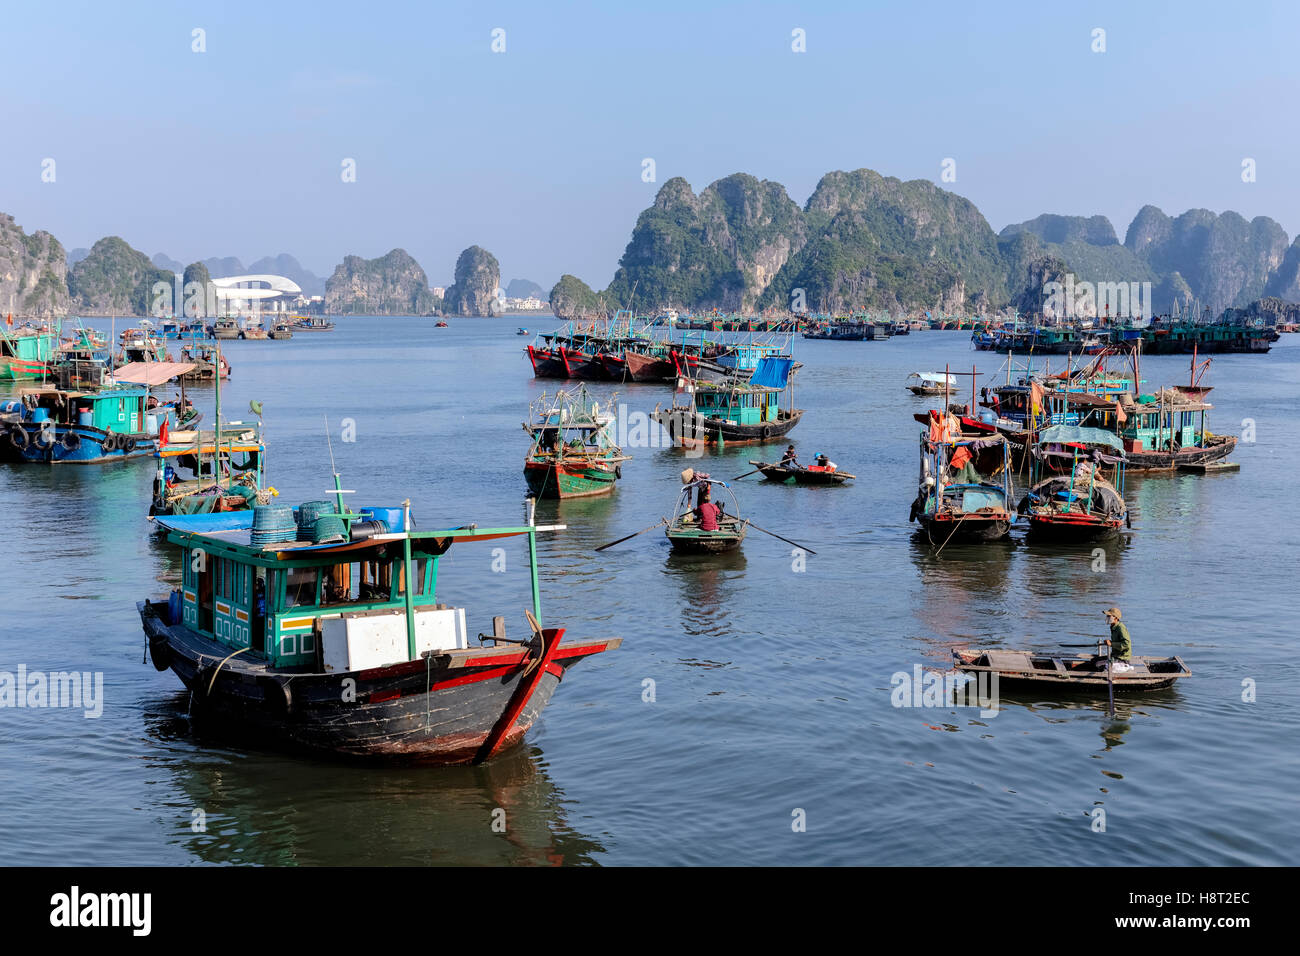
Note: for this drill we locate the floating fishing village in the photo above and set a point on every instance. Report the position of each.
(597, 436)
(320, 626)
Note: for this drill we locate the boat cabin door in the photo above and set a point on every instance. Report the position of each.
(205, 594)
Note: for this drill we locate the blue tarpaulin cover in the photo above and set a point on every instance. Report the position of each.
(772, 372)
(243, 520)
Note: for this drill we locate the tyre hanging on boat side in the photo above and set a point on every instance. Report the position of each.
(160, 652)
(19, 438)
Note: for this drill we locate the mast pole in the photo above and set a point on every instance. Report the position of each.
(407, 573)
(532, 558)
(216, 444)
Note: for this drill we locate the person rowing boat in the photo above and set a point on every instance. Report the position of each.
(1119, 646)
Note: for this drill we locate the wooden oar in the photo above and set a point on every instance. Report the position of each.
(633, 535)
(748, 473)
(778, 537)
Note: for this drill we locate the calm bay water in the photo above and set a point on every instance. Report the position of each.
(771, 684)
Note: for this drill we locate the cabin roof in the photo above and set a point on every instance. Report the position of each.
(150, 373)
(233, 531)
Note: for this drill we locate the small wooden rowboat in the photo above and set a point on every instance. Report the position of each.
(686, 536)
(812, 475)
(1075, 672)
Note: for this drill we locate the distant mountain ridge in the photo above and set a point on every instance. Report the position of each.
(867, 241)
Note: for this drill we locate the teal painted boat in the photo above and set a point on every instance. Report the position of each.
(25, 352)
(733, 412)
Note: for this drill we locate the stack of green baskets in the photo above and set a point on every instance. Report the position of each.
(273, 524)
(308, 512)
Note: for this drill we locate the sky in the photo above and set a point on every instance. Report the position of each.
(537, 152)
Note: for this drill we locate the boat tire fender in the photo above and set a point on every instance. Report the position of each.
(19, 438)
(618, 472)
(71, 441)
(45, 438)
(277, 695)
(767, 431)
(160, 652)
(126, 443)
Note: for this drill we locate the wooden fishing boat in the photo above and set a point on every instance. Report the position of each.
(254, 331)
(684, 531)
(1166, 431)
(339, 645)
(656, 364)
(964, 487)
(48, 425)
(441, 325)
(931, 383)
(191, 331)
(26, 351)
(734, 412)
(1074, 672)
(1077, 481)
(227, 328)
(207, 361)
(282, 330)
(812, 475)
(311, 323)
(573, 454)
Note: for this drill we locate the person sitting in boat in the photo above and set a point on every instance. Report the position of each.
(1120, 645)
(706, 512)
(790, 459)
(824, 464)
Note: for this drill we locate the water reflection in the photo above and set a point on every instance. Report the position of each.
(961, 584)
(274, 810)
(708, 597)
(1082, 573)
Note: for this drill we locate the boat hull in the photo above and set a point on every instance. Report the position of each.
(801, 476)
(1072, 674)
(688, 429)
(649, 368)
(547, 363)
(1072, 527)
(14, 369)
(70, 445)
(440, 711)
(562, 481)
(970, 528)
(584, 365)
(1216, 449)
(704, 542)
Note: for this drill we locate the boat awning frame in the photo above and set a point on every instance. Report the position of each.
(1079, 435)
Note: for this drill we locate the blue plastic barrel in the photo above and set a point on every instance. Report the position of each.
(11, 407)
(988, 418)
(86, 418)
(40, 414)
(175, 609)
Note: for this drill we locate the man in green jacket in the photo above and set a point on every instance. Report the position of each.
(1120, 644)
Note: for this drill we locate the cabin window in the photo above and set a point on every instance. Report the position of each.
(301, 586)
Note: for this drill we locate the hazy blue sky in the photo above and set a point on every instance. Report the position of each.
(536, 153)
